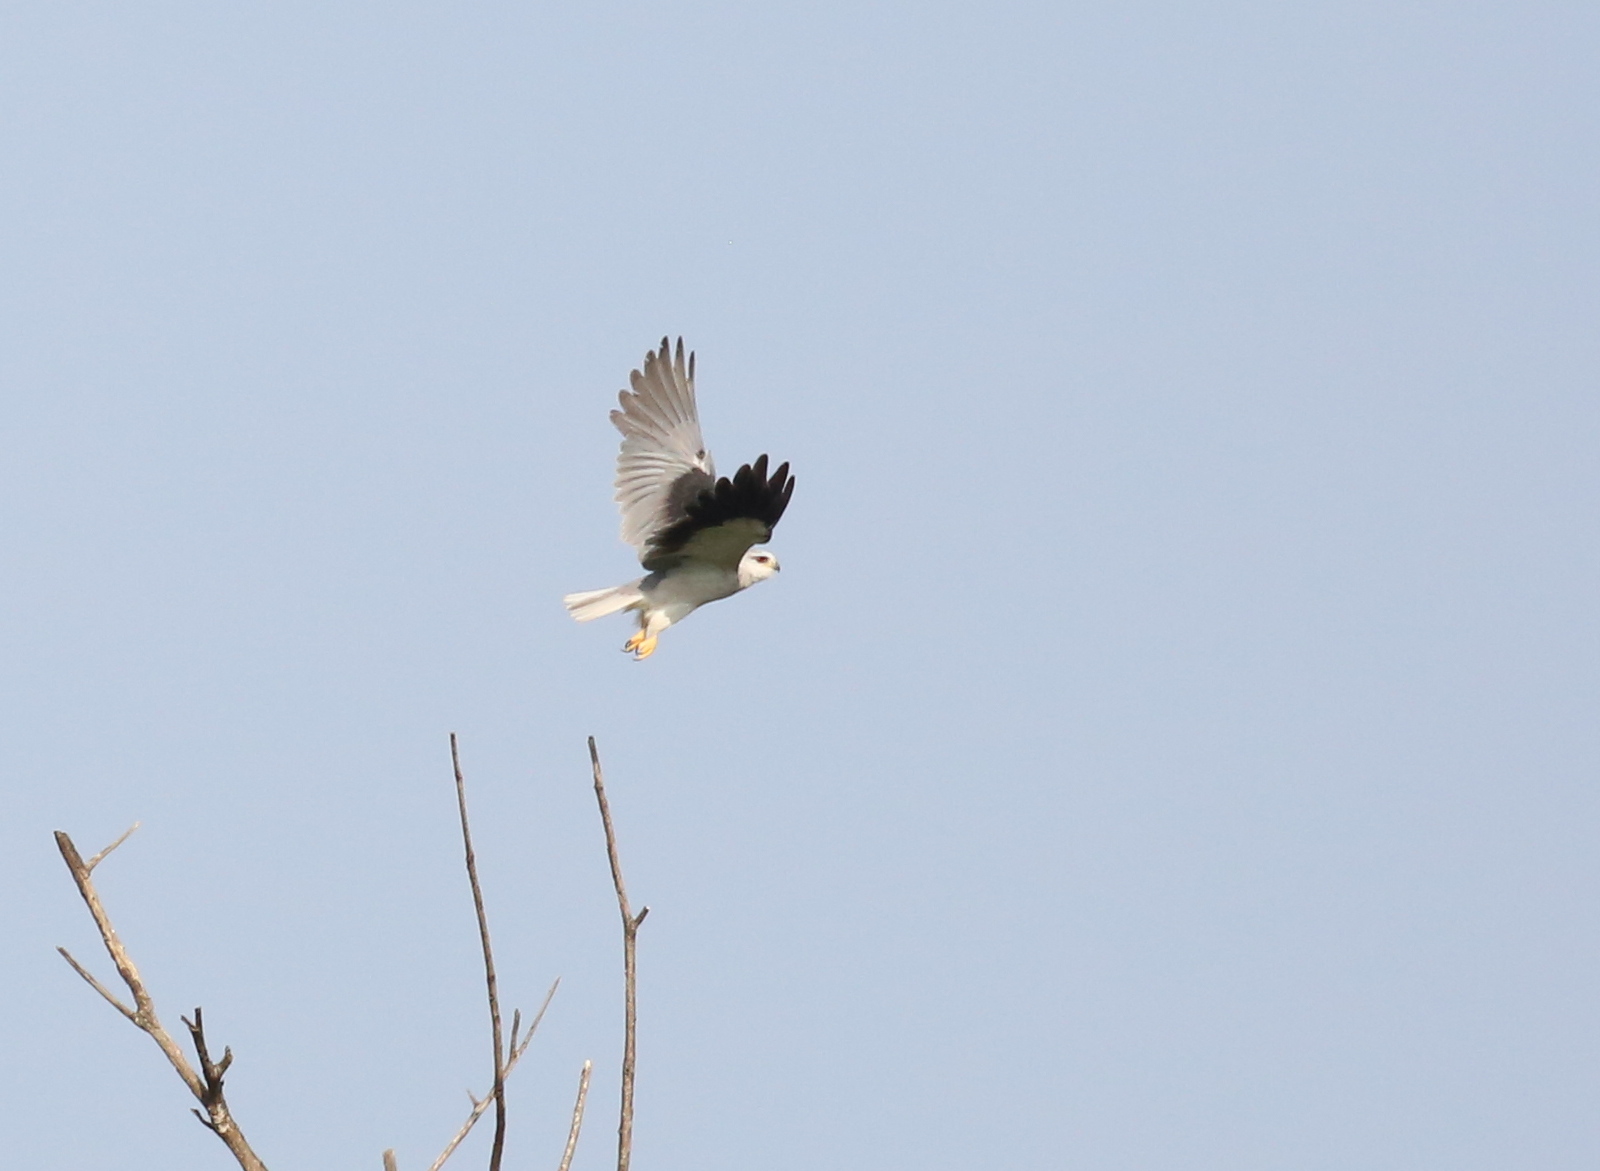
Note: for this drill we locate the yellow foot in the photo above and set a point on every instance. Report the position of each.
(641, 646)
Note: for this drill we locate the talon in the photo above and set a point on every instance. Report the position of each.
(633, 643)
(645, 649)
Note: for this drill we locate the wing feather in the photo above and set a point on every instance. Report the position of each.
(723, 519)
(663, 461)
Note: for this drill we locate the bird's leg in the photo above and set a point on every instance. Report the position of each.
(638, 636)
(643, 644)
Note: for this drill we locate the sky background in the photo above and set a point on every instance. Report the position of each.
(1172, 740)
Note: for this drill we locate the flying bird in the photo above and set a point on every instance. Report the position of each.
(694, 532)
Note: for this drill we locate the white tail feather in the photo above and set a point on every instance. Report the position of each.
(592, 604)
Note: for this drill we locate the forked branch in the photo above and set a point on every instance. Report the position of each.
(518, 1048)
(506, 1056)
(206, 1086)
(630, 934)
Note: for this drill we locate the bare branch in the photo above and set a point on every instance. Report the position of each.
(630, 932)
(577, 1117)
(498, 1149)
(99, 987)
(101, 856)
(519, 1050)
(218, 1118)
(478, 1107)
(505, 1056)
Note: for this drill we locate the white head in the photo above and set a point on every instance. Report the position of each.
(757, 565)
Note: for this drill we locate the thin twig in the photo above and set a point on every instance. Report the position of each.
(577, 1117)
(516, 1054)
(498, 1149)
(630, 933)
(478, 1107)
(208, 1090)
(101, 856)
(99, 987)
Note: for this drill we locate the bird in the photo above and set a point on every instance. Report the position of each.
(695, 533)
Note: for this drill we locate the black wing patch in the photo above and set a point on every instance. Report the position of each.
(751, 495)
(685, 490)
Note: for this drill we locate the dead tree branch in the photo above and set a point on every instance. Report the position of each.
(577, 1117)
(630, 934)
(205, 1086)
(499, 1090)
(479, 1107)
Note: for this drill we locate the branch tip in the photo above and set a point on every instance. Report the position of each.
(577, 1117)
(101, 856)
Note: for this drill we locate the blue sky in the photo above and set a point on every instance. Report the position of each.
(1171, 742)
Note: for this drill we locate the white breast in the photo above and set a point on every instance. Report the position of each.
(680, 591)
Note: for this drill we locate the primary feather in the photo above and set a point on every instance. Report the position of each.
(663, 463)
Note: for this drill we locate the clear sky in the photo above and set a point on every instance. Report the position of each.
(1172, 740)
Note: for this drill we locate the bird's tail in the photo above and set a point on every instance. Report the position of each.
(592, 604)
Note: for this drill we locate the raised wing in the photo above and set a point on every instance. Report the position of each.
(664, 464)
(724, 519)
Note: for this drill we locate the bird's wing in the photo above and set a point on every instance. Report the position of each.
(724, 519)
(664, 463)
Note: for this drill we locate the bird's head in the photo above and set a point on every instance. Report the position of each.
(757, 565)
